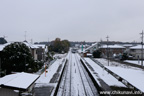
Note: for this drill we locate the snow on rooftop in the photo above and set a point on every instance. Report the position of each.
(1, 47)
(18, 80)
(136, 47)
(30, 45)
(128, 45)
(112, 46)
(39, 45)
(26, 43)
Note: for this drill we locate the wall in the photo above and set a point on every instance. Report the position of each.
(8, 92)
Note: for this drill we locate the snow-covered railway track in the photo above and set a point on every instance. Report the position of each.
(65, 84)
(75, 80)
(89, 88)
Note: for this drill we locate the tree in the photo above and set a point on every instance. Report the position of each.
(59, 46)
(124, 56)
(97, 54)
(17, 57)
(65, 45)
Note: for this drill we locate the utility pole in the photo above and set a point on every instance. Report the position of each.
(142, 49)
(0, 67)
(107, 50)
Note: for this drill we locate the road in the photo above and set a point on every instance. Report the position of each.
(75, 80)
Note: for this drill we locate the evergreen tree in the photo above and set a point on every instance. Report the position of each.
(97, 54)
(124, 56)
(17, 57)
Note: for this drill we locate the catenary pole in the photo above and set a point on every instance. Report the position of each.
(142, 49)
(107, 50)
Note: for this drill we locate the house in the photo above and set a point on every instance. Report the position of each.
(17, 84)
(112, 50)
(33, 49)
(41, 51)
(136, 52)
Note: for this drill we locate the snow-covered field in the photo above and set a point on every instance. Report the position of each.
(133, 75)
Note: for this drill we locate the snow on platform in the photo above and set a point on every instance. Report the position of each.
(50, 72)
(104, 75)
(133, 75)
(18, 80)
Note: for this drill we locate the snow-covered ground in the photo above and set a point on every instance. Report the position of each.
(137, 62)
(133, 75)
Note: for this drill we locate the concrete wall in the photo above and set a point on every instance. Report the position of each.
(8, 92)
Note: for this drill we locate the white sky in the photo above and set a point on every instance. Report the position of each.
(75, 20)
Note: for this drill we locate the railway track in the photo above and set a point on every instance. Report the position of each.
(90, 89)
(75, 80)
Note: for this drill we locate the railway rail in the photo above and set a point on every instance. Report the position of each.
(75, 80)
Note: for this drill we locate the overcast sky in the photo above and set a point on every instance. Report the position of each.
(75, 20)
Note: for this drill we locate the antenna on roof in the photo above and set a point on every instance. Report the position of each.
(31, 41)
(4, 36)
(25, 35)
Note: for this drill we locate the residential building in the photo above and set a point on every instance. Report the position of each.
(41, 51)
(33, 49)
(111, 50)
(136, 52)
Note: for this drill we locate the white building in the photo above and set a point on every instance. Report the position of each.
(16, 84)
